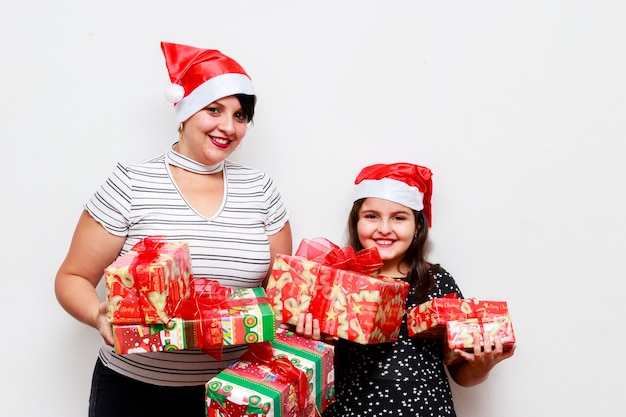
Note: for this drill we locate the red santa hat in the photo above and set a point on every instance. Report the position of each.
(403, 183)
(201, 76)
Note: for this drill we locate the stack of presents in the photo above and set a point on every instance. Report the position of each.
(155, 304)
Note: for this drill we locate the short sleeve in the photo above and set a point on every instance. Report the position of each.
(110, 205)
(277, 213)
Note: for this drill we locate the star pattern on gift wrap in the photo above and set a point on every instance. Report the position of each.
(332, 314)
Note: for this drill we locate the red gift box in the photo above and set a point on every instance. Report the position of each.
(460, 334)
(240, 316)
(429, 318)
(146, 284)
(264, 381)
(337, 286)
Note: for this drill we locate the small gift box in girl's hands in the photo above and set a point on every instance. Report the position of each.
(339, 288)
(429, 318)
(460, 335)
(145, 285)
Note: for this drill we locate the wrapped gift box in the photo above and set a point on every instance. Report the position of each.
(245, 317)
(339, 289)
(146, 284)
(460, 334)
(429, 318)
(287, 383)
(315, 358)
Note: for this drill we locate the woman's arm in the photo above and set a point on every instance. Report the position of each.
(92, 249)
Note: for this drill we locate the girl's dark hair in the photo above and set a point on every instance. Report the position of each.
(419, 270)
(247, 103)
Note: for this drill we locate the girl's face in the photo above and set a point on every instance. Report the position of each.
(213, 133)
(388, 226)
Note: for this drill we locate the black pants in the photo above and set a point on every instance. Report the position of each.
(115, 395)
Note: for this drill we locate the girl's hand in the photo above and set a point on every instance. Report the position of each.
(308, 327)
(482, 360)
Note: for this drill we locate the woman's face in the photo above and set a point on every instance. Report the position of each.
(388, 226)
(213, 133)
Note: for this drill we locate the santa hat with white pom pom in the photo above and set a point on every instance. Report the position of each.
(201, 76)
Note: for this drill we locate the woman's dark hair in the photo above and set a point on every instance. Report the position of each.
(419, 270)
(247, 103)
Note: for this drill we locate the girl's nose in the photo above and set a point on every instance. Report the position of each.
(384, 227)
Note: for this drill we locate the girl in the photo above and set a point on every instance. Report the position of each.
(392, 212)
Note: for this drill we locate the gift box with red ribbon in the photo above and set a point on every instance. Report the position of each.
(146, 284)
(315, 358)
(460, 334)
(214, 316)
(340, 288)
(283, 378)
(429, 318)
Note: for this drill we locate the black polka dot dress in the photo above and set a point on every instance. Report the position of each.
(405, 378)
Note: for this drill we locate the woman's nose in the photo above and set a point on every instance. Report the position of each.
(227, 124)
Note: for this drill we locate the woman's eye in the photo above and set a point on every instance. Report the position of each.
(241, 116)
(212, 110)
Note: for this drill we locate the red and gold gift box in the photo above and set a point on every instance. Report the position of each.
(429, 318)
(289, 377)
(241, 316)
(460, 334)
(338, 287)
(146, 284)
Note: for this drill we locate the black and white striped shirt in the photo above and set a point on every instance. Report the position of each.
(140, 200)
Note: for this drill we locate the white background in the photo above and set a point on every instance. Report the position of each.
(517, 106)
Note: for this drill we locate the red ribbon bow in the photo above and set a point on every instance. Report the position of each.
(284, 369)
(324, 251)
(204, 308)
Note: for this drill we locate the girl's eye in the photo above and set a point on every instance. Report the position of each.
(399, 218)
(369, 216)
(212, 110)
(241, 116)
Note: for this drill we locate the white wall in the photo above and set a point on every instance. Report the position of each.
(518, 107)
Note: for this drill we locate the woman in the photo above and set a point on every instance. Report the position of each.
(392, 212)
(232, 216)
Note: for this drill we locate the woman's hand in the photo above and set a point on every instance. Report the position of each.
(103, 325)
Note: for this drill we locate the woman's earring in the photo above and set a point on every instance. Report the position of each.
(180, 131)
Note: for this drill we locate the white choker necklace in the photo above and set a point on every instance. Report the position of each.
(174, 158)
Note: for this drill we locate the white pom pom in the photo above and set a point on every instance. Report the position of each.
(174, 93)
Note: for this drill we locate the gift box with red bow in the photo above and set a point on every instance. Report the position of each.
(429, 318)
(146, 284)
(460, 334)
(339, 287)
(290, 377)
(212, 317)
(315, 358)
